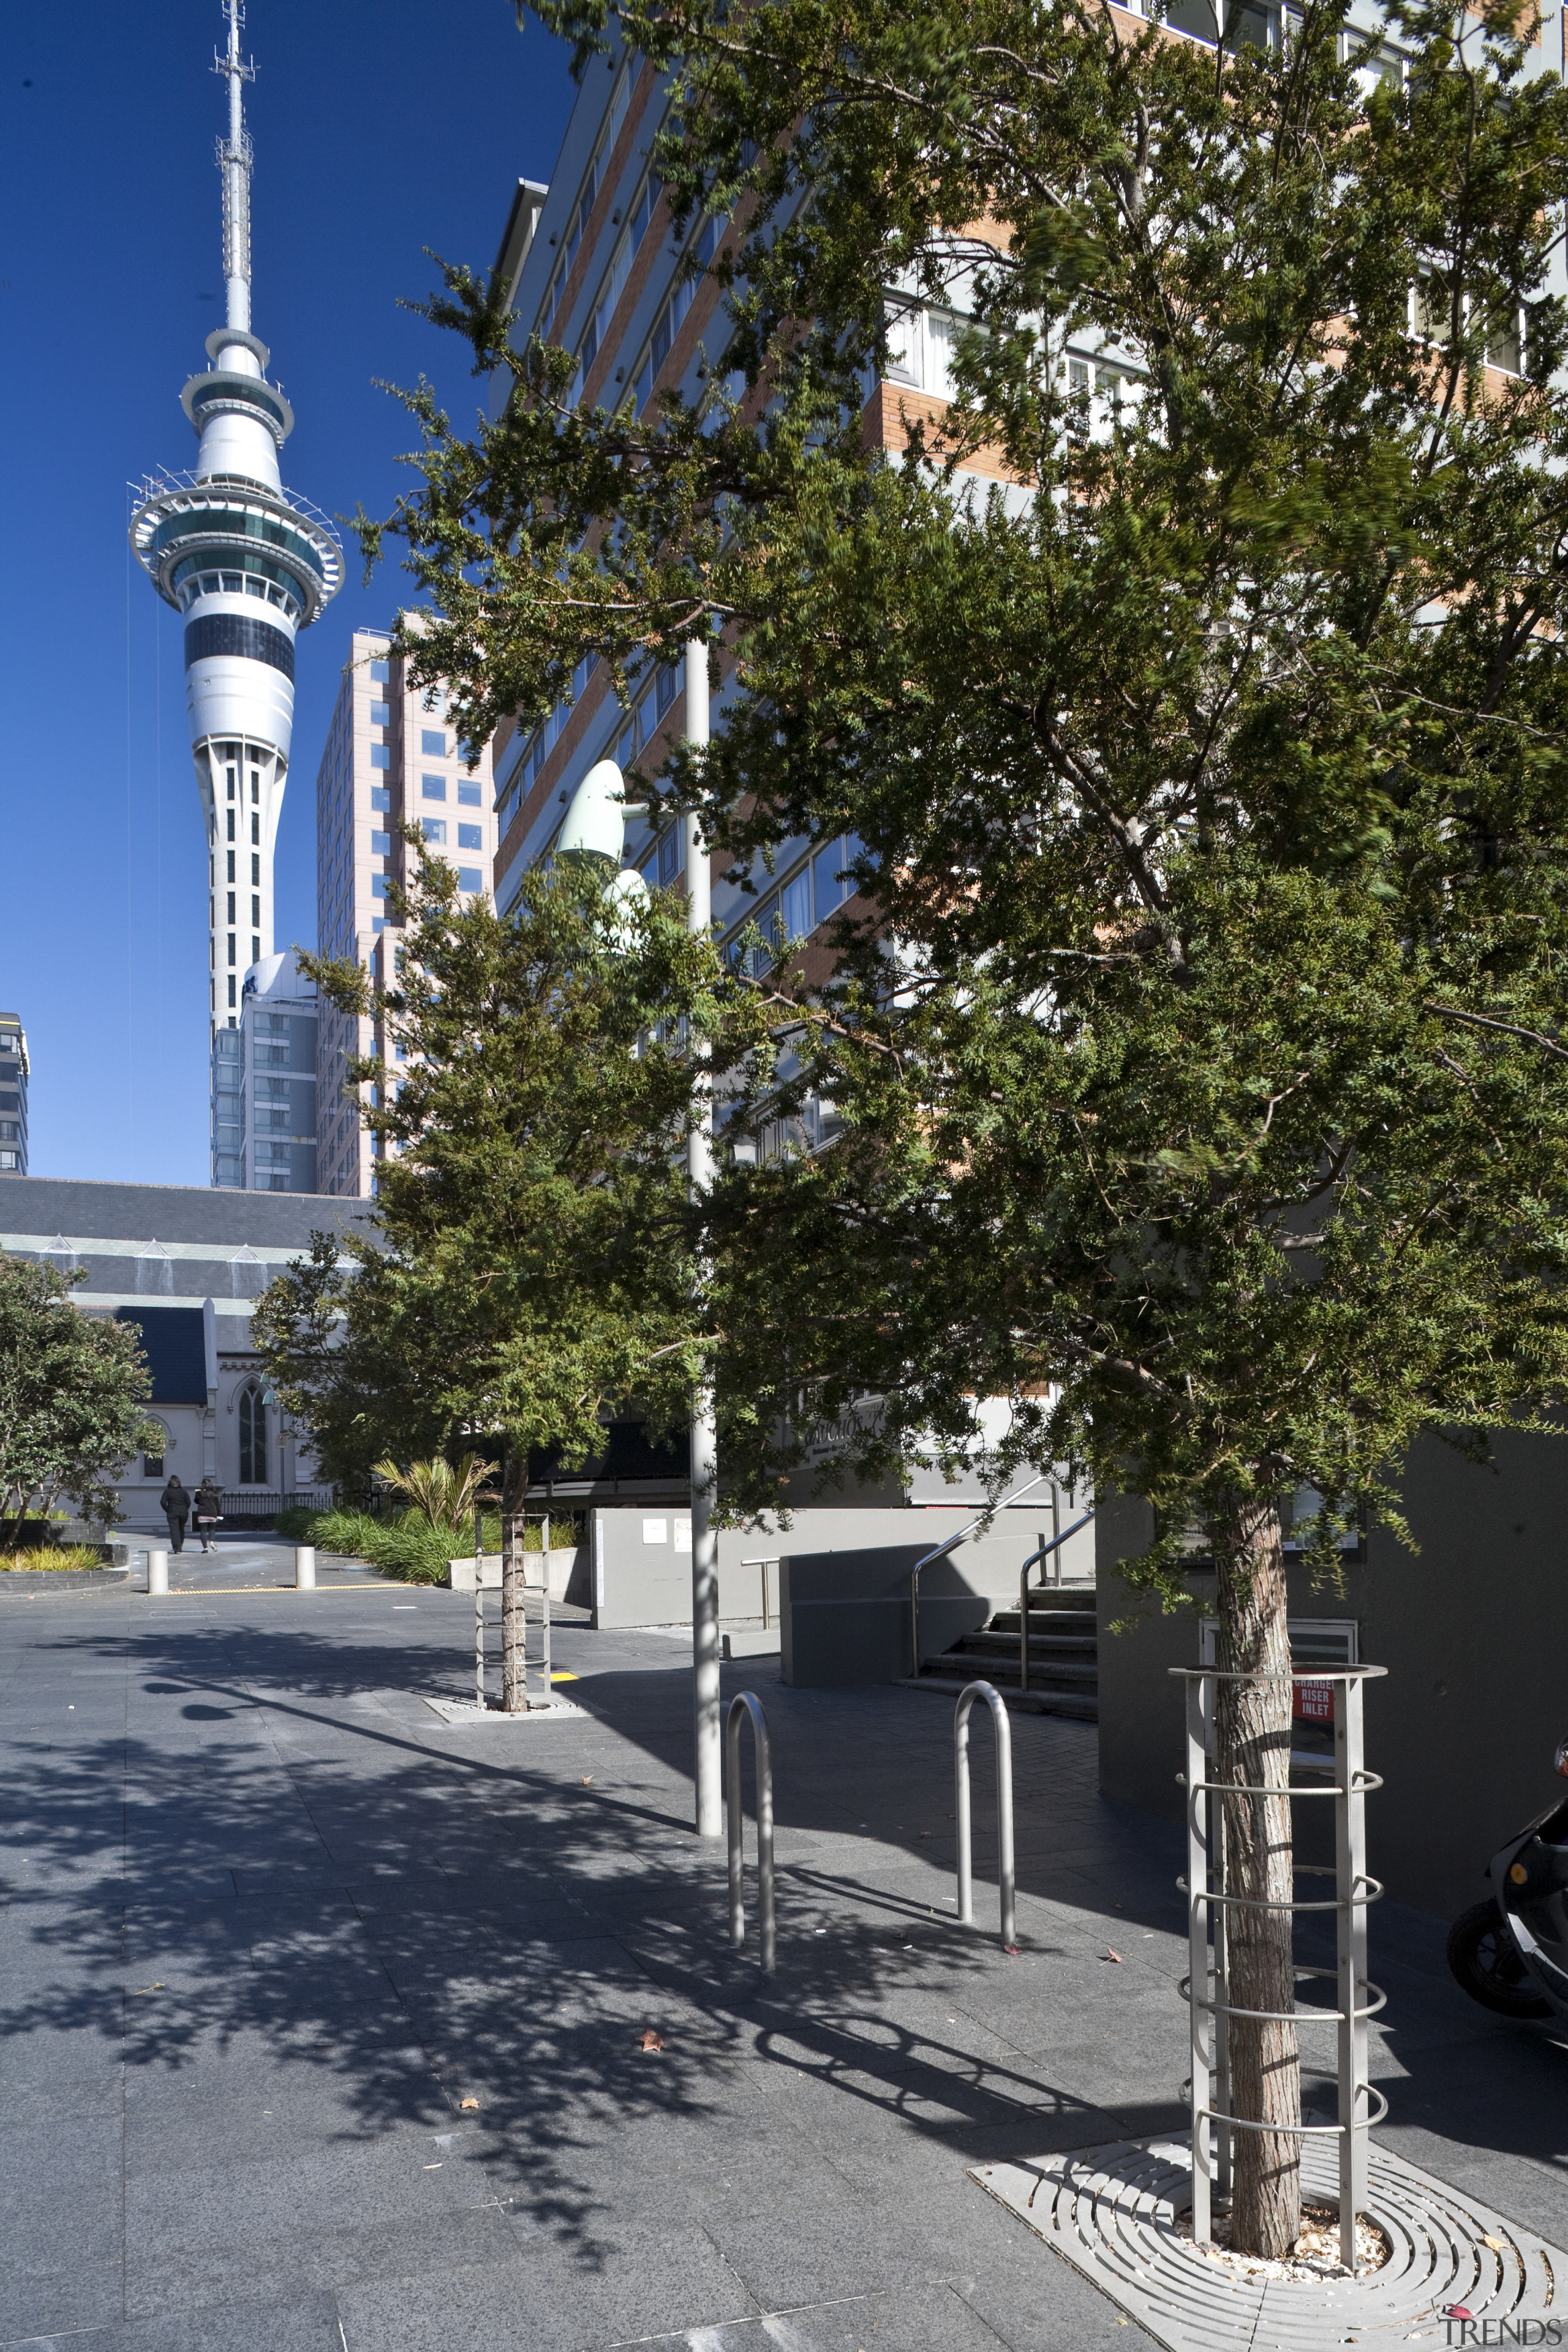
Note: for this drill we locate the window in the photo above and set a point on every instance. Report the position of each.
(470, 836)
(231, 825)
(231, 865)
(231, 959)
(433, 788)
(256, 829)
(1245, 26)
(671, 854)
(381, 671)
(830, 891)
(664, 691)
(795, 906)
(231, 906)
(378, 885)
(433, 743)
(470, 796)
(469, 878)
(380, 714)
(434, 829)
(152, 1465)
(643, 211)
(380, 756)
(252, 1436)
(381, 844)
(381, 799)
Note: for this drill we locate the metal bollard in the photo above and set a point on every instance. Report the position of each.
(1004, 1808)
(304, 1567)
(746, 1703)
(157, 1572)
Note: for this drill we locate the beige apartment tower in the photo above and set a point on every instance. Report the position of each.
(393, 759)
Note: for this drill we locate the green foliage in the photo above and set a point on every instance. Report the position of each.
(442, 1492)
(1214, 794)
(72, 1388)
(48, 1556)
(406, 1547)
(532, 1265)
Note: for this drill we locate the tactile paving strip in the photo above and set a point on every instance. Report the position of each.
(1112, 2211)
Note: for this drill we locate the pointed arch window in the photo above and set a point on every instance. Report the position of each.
(252, 1435)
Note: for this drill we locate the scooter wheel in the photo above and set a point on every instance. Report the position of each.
(1485, 1960)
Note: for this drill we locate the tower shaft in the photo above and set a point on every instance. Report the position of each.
(250, 565)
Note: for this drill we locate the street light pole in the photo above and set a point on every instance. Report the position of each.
(705, 1661)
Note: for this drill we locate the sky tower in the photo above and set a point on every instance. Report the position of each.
(250, 565)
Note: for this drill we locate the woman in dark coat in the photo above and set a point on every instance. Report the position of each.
(206, 1511)
(175, 1504)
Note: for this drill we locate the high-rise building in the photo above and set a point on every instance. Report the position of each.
(264, 1083)
(249, 565)
(591, 262)
(393, 759)
(12, 1096)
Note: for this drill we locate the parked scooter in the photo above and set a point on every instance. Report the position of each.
(1510, 1952)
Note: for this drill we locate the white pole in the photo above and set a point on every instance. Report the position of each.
(304, 1567)
(157, 1572)
(708, 1726)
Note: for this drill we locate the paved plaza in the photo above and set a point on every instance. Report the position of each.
(325, 2022)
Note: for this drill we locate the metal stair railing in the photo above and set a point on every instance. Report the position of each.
(1045, 1550)
(1006, 1881)
(743, 1704)
(941, 1550)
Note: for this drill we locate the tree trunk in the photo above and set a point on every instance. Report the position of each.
(1252, 1745)
(514, 1623)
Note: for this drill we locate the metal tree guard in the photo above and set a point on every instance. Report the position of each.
(744, 1704)
(1004, 1872)
(1208, 1900)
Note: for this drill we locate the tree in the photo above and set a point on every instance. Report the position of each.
(532, 1262)
(1197, 1064)
(72, 1387)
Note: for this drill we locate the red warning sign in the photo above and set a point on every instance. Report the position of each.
(1314, 1702)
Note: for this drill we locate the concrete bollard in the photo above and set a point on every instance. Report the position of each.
(157, 1572)
(305, 1567)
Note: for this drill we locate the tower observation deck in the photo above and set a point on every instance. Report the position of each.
(250, 565)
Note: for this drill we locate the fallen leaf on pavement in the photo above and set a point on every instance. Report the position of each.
(467, 2102)
(587, 1780)
(1013, 1950)
(1496, 2244)
(649, 2040)
(1112, 1956)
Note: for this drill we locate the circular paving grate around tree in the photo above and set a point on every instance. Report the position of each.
(1116, 2214)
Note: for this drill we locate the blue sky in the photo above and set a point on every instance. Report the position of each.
(378, 131)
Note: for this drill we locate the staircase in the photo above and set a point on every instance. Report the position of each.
(1064, 1671)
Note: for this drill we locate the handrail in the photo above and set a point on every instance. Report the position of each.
(1054, 1544)
(744, 1704)
(1005, 1871)
(941, 1552)
(772, 1561)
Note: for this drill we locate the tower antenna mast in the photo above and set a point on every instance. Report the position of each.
(234, 159)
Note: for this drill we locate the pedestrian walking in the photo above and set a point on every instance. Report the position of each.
(174, 1502)
(206, 1513)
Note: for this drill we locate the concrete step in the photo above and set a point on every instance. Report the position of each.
(1072, 1705)
(1002, 1665)
(1077, 1624)
(1000, 1637)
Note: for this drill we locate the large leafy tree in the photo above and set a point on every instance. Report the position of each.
(528, 1263)
(1201, 707)
(72, 1390)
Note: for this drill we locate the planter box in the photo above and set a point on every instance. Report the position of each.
(562, 1570)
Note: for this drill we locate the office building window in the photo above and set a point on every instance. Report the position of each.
(434, 829)
(231, 978)
(381, 799)
(231, 906)
(433, 742)
(231, 959)
(380, 756)
(380, 714)
(469, 878)
(252, 1436)
(470, 836)
(470, 796)
(378, 885)
(381, 671)
(256, 951)
(381, 844)
(433, 788)
(256, 911)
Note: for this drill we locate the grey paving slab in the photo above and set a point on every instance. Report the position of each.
(264, 1925)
